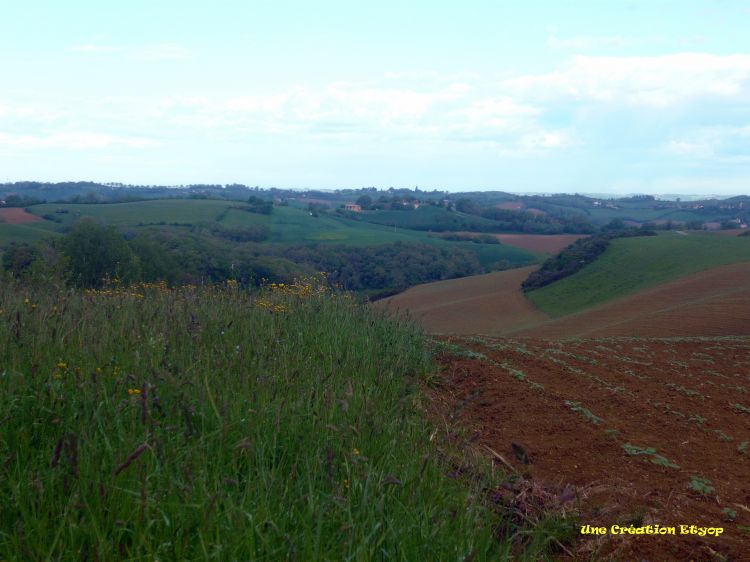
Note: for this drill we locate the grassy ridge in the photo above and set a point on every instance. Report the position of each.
(191, 424)
(632, 264)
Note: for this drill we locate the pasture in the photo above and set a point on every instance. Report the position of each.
(631, 265)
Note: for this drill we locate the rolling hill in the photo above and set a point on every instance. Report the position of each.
(631, 265)
(667, 285)
(288, 225)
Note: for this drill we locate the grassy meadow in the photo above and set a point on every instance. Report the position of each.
(217, 424)
(630, 265)
(23, 233)
(138, 212)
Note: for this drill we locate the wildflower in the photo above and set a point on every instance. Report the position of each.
(356, 452)
(134, 391)
(25, 301)
(61, 365)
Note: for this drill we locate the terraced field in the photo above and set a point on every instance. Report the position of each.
(624, 431)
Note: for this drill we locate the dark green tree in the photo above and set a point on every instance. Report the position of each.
(95, 252)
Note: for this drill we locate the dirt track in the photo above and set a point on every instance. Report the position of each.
(576, 407)
(16, 215)
(483, 304)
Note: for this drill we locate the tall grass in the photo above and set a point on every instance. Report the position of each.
(206, 423)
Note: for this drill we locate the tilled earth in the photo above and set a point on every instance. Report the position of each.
(645, 431)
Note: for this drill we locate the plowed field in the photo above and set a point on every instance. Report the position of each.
(481, 304)
(547, 243)
(16, 215)
(645, 431)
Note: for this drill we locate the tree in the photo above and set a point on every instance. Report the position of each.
(18, 258)
(364, 201)
(95, 252)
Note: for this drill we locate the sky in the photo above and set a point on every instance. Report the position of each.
(631, 96)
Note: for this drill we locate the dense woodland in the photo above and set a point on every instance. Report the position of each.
(92, 253)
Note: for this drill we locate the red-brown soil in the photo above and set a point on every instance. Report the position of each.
(16, 215)
(715, 302)
(510, 206)
(682, 397)
(548, 243)
(482, 304)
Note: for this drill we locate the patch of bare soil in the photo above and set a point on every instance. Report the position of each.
(16, 215)
(638, 431)
(547, 243)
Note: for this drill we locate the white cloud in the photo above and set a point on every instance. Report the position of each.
(725, 144)
(691, 149)
(547, 139)
(658, 81)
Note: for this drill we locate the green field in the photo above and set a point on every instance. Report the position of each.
(288, 226)
(425, 217)
(632, 264)
(28, 233)
(138, 213)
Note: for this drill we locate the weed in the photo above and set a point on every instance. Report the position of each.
(656, 459)
(701, 485)
(684, 391)
(440, 347)
(729, 513)
(585, 412)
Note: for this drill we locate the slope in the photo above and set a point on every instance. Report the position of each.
(490, 304)
(715, 302)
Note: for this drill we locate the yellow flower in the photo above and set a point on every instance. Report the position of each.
(356, 452)
(62, 365)
(134, 391)
(25, 301)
